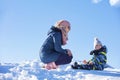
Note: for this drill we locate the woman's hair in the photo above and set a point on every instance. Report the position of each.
(57, 24)
(62, 27)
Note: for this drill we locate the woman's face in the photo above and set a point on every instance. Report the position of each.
(66, 25)
(97, 47)
(67, 29)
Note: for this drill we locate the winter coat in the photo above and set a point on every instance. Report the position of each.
(99, 59)
(51, 48)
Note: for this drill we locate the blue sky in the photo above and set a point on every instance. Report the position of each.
(24, 25)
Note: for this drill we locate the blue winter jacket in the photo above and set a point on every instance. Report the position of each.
(51, 48)
(99, 59)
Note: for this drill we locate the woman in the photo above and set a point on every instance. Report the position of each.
(52, 53)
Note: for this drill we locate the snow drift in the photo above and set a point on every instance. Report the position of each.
(31, 70)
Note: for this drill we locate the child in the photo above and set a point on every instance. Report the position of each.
(52, 53)
(99, 58)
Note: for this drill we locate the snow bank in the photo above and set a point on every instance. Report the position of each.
(31, 70)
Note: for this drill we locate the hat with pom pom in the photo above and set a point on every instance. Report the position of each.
(97, 42)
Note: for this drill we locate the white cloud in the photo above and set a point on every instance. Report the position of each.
(114, 2)
(96, 1)
(111, 2)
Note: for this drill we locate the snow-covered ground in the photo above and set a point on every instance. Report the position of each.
(31, 70)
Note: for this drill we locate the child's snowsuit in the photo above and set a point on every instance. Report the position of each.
(98, 61)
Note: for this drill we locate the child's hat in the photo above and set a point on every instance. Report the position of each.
(96, 42)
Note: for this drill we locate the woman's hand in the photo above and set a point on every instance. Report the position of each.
(69, 52)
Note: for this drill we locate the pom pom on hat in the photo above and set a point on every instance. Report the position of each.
(96, 42)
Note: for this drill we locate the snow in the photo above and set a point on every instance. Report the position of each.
(32, 70)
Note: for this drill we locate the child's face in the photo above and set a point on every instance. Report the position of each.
(98, 46)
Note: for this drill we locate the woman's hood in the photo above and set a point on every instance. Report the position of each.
(53, 29)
